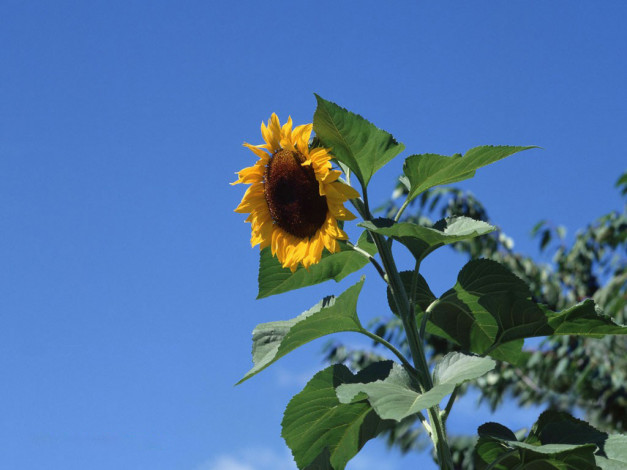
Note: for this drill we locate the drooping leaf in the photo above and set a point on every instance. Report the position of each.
(354, 141)
(429, 170)
(490, 310)
(397, 397)
(273, 340)
(324, 433)
(275, 279)
(423, 240)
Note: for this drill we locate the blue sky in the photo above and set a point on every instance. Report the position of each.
(127, 282)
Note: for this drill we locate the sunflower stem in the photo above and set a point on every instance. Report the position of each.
(407, 314)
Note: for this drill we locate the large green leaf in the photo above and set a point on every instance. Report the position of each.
(272, 341)
(275, 279)
(557, 427)
(571, 449)
(423, 240)
(354, 141)
(396, 396)
(324, 433)
(429, 170)
(490, 310)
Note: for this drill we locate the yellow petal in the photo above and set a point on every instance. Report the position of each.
(348, 191)
(340, 212)
(272, 133)
(252, 174)
(301, 136)
(258, 150)
(286, 130)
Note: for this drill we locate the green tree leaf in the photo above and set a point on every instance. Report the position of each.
(397, 397)
(272, 341)
(490, 310)
(423, 240)
(354, 141)
(275, 279)
(324, 433)
(429, 170)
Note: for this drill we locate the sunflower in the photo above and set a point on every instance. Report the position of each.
(295, 198)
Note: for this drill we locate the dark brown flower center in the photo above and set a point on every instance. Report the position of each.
(292, 195)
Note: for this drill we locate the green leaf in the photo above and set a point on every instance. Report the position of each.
(429, 170)
(456, 368)
(488, 450)
(556, 440)
(497, 431)
(272, 341)
(538, 451)
(275, 279)
(423, 240)
(324, 433)
(583, 319)
(354, 141)
(621, 183)
(423, 294)
(490, 310)
(396, 396)
(557, 427)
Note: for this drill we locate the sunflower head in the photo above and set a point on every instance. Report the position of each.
(295, 199)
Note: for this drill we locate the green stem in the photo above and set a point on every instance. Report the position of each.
(402, 305)
(450, 403)
(383, 342)
(425, 318)
(414, 288)
(438, 436)
(374, 262)
(425, 423)
(401, 210)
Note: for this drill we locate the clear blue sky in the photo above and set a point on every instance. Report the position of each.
(127, 283)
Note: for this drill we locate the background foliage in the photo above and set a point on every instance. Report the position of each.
(578, 374)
